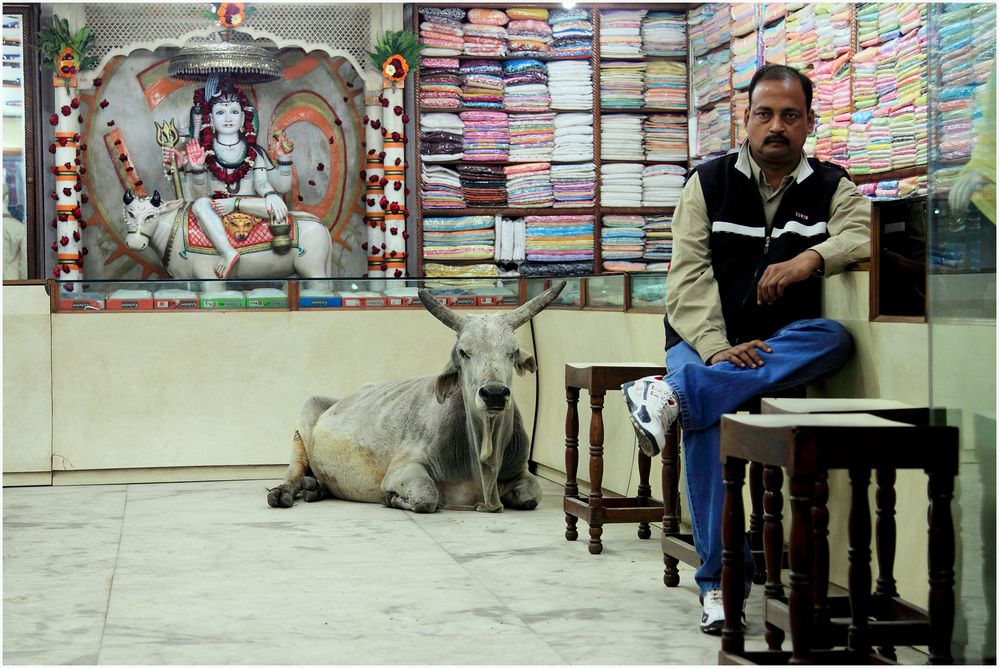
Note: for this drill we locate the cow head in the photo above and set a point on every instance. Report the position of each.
(141, 216)
(486, 352)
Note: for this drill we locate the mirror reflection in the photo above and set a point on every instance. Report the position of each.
(15, 255)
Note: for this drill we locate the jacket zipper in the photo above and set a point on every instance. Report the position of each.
(756, 275)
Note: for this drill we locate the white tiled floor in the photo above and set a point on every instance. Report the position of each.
(207, 573)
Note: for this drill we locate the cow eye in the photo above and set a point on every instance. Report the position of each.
(463, 354)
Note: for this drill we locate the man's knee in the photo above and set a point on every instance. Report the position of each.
(833, 335)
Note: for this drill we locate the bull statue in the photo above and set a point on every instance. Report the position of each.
(455, 440)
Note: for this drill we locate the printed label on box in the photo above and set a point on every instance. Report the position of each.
(177, 304)
(320, 302)
(80, 305)
(129, 304)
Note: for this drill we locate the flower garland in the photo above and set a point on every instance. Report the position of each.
(207, 137)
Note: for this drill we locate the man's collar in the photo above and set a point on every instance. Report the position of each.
(747, 165)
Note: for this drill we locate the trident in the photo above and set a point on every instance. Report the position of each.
(167, 137)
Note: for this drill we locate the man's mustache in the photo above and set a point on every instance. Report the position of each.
(775, 139)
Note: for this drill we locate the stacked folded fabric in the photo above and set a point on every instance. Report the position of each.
(621, 184)
(713, 136)
(954, 77)
(666, 85)
(879, 145)
(482, 84)
(484, 185)
(532, 137)
(740, 103)
(621, 33)
(458, 274)
(888, 26)
(662, 185)
(559, 238)
(856, 142)
(711, 78)
(664, 34)
(802, 38)
(621, 137)
(743, 18)
(441, 137)
(774, 10)
(570, 83)
(666, 137)
(487, 135)
(744, 60)
(567, 269)
(511, 240)
(460, 238)
(440, 85)
(572, 33)
(832, 23)
(658, 238)
(574, 184)
(710, 27)
(867, 24)
(911, 16)
(441, 31)
(622, 85)
(485, 35)
(622, 238)
(529, 37)
(865, 100)
(831, 102)
(529, 185)
(441, 188)
(573, 137)
(775, 43)
(525, 85)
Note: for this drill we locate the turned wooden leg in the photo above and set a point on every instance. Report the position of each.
(571, 456)
(733, 578)
(596, 503)
(671, 501)
(820, 575)
(941, 566)
(773, 546)
(859, 551)
(800, 602)
(644, 491)
(756, 522)
(884, 541)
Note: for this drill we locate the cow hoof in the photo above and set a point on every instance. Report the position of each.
(280, 497)
(313, 490)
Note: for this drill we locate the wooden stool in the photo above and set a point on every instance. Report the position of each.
(808, 446)
(594, 509)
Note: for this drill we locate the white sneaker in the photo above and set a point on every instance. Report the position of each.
(653, 407)
(713, 615)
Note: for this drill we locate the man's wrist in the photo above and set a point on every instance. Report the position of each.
(818, 262)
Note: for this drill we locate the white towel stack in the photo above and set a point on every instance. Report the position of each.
(442, 188)
(570, 84)
(449, 124)
(621, 185)
(573, 137)
(621, 137)
(662, 185)
(511, 240)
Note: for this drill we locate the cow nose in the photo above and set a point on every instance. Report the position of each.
(494, 395)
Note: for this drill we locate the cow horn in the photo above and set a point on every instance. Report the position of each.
(453, 320)
(525, 312)
(156, 201)
(127, 197)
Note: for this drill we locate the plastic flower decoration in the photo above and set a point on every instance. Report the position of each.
(66, 52)
(395, 68)
(229, 14)
(395, 52)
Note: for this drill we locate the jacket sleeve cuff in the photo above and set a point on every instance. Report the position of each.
(709, 345)
(832, 262)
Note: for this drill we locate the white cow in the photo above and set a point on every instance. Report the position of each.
(452, 440)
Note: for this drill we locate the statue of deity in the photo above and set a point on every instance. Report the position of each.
(224, 171)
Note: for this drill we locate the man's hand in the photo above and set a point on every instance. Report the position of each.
(777, 277)
(742, 355)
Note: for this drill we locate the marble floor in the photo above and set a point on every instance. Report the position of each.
(207, 573)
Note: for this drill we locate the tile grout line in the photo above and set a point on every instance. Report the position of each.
(114, 572)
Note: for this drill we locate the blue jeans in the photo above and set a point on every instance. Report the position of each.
(803, 352)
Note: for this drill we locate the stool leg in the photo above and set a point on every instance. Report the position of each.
(773, 546)
(671, 501)
(571, 456)
(884, 540)
(733, 579)
(644, 492)
(596, 502)
(941, 563)
(756, 522)
(800, 603)
(859, 577)
(820, 577)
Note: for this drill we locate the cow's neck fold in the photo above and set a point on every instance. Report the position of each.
(488, 435)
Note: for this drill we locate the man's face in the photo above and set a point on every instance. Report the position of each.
(777, 121)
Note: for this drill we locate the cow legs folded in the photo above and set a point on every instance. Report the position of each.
(408, 486)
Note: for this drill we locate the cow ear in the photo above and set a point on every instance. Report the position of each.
(525, 362)
(447, 382)
(171, 205)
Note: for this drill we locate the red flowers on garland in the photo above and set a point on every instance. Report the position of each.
(222, 174)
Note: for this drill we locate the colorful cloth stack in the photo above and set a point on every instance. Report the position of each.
(621, 184)
(572, 33)
(532, 137)
(664, 34)
(740, 103)
(622, 84)
(440, 85)
(621, 137)
(485, 35)
(658, 238)
(570, 84)
(482, 84)
(574, 184)
(831, 102)
(802, 38)
(867, 24)
(511, 240)
(666, 85)
(441, 137)
(484, 185)
(525, 85)
(954, 76)
(621, 33)
(832, 24)
(573, 137)
(713, 136)
(710, 27)
(529, 38)
(666, 137)
(460, 238)
(744, 60)
(559, 238)
(775, 43)
(452, 275)
(743, 18)
(441, 188)
(529, 185)
(622, 238)
(774, 10)
(711, 77)
(441, 31)
(487, 135)
(662, 184)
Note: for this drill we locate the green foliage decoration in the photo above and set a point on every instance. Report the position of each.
(404, 43)
(53, 42)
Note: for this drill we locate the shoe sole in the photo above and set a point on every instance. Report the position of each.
(646, 441)
(715, 627)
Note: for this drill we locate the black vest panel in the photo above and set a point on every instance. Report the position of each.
(742, 248)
